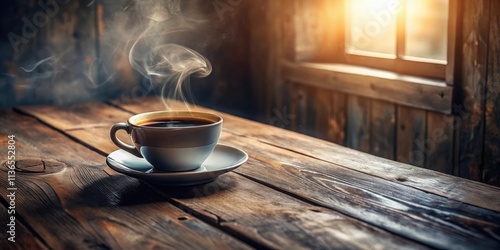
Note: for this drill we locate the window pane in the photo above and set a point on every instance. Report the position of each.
(372, 26)
(426, 28)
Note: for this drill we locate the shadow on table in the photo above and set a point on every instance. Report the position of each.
(121, 190)
(217, 187)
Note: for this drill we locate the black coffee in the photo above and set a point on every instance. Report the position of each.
(175, 123)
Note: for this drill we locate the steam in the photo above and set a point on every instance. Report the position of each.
(171, 65)
(60, 77)
(146, 32)
(167, 66)
(34, 66)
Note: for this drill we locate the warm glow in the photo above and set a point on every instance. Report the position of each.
(360, 6)
(426, 29)
(372, 27)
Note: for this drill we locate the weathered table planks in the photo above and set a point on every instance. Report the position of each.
(294, 192)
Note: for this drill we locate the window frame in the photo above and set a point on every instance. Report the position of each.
(421, 68)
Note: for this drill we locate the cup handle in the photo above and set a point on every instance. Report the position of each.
(129, 148)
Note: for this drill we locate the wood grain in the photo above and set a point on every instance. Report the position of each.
(311, 112)
(438, 144)
(322, 107)
(83, 207)
(259, 60)
(424, 217)
(338, 119)
(72, 120)
(491, 169)
(383, 203)
(358, 123)
(287, 46)
(268, 46)
(383, 129)
(294, 106)
(261, 215)
(411, 136)
(479, 194)
(420, 93)
(277, 221)
(24, 238)
(299, 102)
(472, 73)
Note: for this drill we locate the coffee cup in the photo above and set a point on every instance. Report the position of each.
(172, 141)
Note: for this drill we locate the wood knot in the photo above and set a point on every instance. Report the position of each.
(402, 178)
(37, 166)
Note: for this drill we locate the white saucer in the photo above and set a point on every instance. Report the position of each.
(222, 160)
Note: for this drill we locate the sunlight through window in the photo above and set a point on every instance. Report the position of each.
(414, 29)
(426, 26)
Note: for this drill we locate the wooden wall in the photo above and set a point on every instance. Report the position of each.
(409, 135)
(491, 169)
(46, 55)
(80, 53)
(465, 143)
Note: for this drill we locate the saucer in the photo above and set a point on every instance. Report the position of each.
(222, 160)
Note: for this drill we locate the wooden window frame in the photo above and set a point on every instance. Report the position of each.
(417, 67)
(325, 63)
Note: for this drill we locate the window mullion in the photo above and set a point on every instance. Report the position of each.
(401, 30)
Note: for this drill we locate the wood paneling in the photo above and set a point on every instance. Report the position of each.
(338, 119)
(383, 129)
(491, 171)
(472, 83)
(304, 109)
(118, 27)
(271, 40)
(420, 93)
(358, 123)
(262, 51)
(47, 54)
(453, 48)
(323, 108)
(411, 136)
(312, 112)
(295, 109)
(438, 144)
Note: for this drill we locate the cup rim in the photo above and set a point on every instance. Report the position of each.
(218, 117)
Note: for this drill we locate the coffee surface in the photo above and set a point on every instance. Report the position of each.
(175, 123)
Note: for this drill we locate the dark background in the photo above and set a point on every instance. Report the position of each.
(80, 50)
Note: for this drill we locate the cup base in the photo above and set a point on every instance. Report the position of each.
(223, 159)
(176, 159)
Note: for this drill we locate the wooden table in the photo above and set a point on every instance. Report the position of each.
(294, 192)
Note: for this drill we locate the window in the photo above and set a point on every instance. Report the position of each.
(400, 51)
(413, 37)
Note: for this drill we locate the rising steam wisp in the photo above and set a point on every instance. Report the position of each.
(167, 66)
